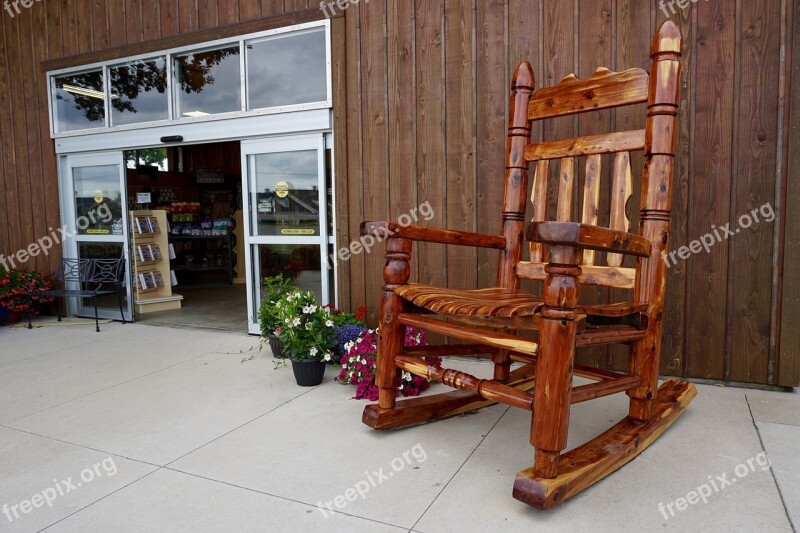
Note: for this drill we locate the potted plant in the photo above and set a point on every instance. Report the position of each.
(15, 288)
(307, 334)
(273, 289)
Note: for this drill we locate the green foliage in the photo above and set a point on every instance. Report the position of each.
(272, 290)
(305, 328)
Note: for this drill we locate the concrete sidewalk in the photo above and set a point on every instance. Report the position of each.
(142, 428)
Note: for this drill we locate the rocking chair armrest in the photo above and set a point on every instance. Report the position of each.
(585, 236)
(383, 230)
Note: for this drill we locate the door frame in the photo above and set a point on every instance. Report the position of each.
(71, 238)
(276, 144)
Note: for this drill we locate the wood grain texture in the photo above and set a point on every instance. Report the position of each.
(590, 462)
(459, 22)
(589, 237)
(602, 90)
(789, 346)
(602, 143)
(622, 278)
(710, 178)
(750, 357)
(539, 204)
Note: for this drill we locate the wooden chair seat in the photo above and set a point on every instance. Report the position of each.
(494, 302)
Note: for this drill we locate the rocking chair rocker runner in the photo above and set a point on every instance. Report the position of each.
(563, 255)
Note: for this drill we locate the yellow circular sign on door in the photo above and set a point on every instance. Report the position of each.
(98, 196)
(282, 189)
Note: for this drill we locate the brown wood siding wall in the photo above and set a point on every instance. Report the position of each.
(420, 90)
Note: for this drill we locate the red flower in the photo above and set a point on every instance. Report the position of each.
(361, 313)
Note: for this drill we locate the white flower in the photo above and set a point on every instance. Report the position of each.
(406, 375)
(312, 352)
(364, 361)
(286, 321)
(329, 323)
(296, 322)
(326, 357)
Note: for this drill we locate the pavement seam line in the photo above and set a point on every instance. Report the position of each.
(771, 471)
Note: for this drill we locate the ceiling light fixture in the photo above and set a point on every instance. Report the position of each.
(91, 93)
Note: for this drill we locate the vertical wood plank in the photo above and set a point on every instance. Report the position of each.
(133, 21)
(250, 9)
(402, 113)
(539, 203)
(492, 77)
(83, 26)
(20, 204)
(375, 148)
(459, 140)
(432, 258)
(272, 7)
(789, 362)
(558, 61)
(566, 187)
(170, 18)
(207, 14)
(340, 141)
(754, 152)
(187, 16)
(151, 19)
(355, 174)
(69, 30)
(29, 42)
(709, 187)
(591, 199)
(116, 13)
(99, 22)
(621, 191)
(228, 12)
(9, 237)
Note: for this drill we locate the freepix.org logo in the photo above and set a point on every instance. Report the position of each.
(13, 7)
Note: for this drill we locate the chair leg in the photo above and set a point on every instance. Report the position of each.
(96, 318)
(551, 395)
(502, 365)
(391, 338)
(30, 306)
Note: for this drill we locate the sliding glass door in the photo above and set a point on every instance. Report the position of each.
(287, 223)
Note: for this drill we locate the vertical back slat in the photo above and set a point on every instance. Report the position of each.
(566, 183)
(539, 201)
(621, 190)
(591, 199)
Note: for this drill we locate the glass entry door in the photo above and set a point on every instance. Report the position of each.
(94, 208)
(287, 228)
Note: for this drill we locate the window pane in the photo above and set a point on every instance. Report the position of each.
(286, 193)
(298, 262)
(286, 69)
(208, 82)
(79, 102)
(139, 92)
(98, 200)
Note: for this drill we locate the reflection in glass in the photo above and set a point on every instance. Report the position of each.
(208, 82)
(286, 193)
(79, 101)
(286, 69)
(139, 91)
(98, 200)
(298, 262)
(103, 250)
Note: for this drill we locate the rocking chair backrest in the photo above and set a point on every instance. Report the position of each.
(603, 90)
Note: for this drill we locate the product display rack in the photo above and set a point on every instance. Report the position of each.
(150, 254)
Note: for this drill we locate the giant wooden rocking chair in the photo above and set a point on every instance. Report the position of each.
(490, 318)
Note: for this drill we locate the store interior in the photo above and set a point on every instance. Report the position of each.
(198, 189)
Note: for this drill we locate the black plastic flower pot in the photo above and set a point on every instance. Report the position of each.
(308, 372)
(277, 347)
